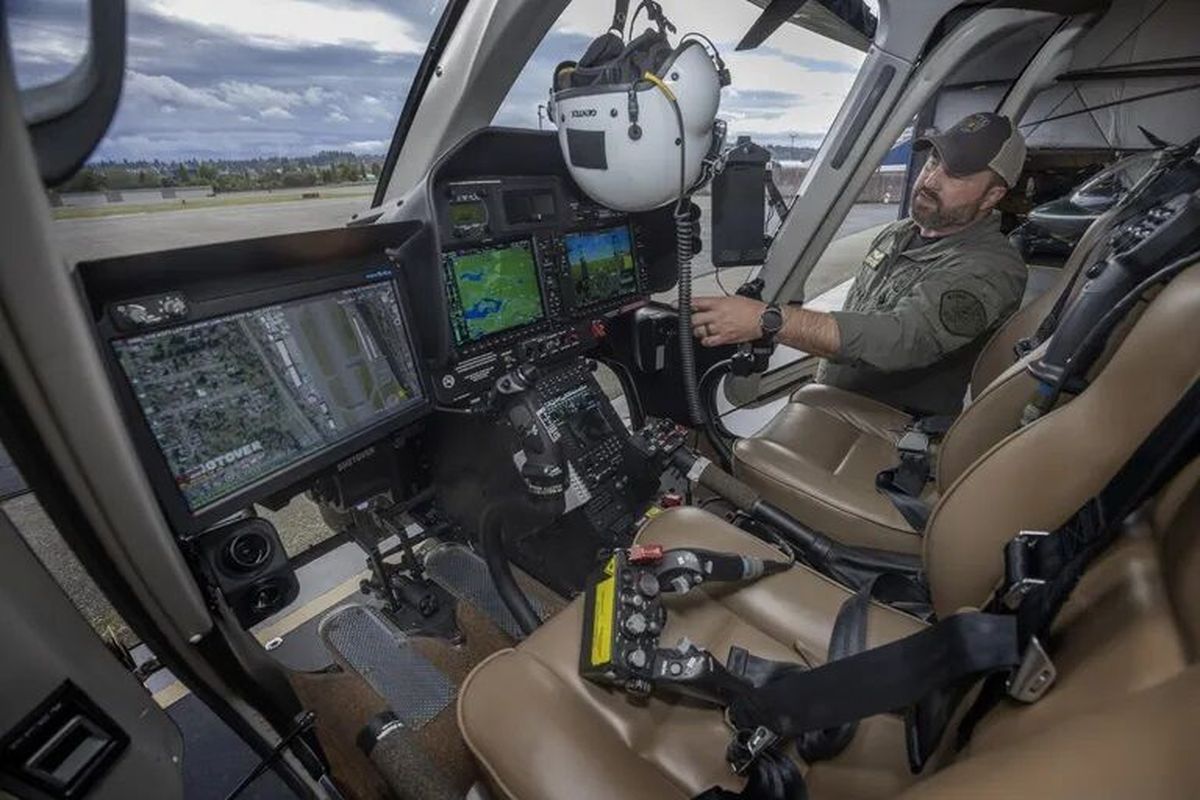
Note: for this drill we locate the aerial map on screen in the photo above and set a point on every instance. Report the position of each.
(601, 264)
(234, 399)
(491, 290)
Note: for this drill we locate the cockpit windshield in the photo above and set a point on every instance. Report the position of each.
(264, 117)
(785, 92)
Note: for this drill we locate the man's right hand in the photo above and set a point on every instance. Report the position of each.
(734, 319)
(726, 320)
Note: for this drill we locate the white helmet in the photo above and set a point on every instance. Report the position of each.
(628, 114)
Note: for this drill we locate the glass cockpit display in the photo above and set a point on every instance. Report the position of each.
(234, 399)
(601, 264)
(468, 214)
(492, 289)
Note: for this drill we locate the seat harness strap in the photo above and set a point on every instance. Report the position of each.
(1041, 571)
(903, 484)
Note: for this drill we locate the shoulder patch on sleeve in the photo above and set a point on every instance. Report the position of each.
(962, 313)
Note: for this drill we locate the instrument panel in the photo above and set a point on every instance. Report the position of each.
(529, 271)
(246, 367)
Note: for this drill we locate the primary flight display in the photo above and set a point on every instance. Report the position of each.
(491, 289)
(234, 399)
(601, 264)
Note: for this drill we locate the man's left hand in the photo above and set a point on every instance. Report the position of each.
(726, 320)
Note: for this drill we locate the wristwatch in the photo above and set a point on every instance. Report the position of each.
(771, 320)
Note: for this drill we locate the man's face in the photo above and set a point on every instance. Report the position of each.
(941, 200)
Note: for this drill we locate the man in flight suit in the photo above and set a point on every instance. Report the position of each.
(930, 290)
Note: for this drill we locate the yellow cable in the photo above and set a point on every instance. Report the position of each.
(657, 81)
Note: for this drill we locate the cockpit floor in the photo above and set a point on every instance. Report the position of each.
(344, 702)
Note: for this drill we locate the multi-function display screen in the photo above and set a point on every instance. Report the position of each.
(601, 264)
(468, 213)
(234, 399)
(491, 289)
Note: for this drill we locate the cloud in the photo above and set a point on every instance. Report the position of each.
(275, 112)
(374, 108)
(340, 69)
(318, 95)
(298, 23)
(257, 95)
(366, 147)
(165, 89)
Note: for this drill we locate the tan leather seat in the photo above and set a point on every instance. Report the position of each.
(539, 731)
(818, 457)
(1122, 646)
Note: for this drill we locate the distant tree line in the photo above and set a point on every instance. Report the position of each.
(227, 175)
(785, 152)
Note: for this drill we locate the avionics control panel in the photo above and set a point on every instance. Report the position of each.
(529, 271)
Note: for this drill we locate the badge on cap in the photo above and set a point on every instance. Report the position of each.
(973, 123)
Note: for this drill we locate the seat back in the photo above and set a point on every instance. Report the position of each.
(1120, 719)
(998, 388)
(997, 354)
(1037, 476)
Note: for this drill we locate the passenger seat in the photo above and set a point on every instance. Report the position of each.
(818, 457)
(1121, 715)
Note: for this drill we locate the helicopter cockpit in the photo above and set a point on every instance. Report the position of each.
(567, 577)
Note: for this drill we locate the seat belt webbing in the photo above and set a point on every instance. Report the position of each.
(883, 679)
(903, 484)
(1066, 555)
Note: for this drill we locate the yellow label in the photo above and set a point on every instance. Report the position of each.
(611, 566)
(602, 619)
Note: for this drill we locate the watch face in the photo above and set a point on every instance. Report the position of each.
(771, 320)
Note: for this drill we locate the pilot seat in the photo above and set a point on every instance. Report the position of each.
(1118, 722)
(819, 457)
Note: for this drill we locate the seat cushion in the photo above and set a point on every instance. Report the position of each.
(543, 733)
(817, 459)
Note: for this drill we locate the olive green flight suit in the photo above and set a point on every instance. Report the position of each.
(918, 313)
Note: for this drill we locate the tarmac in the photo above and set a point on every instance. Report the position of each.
(299, 523)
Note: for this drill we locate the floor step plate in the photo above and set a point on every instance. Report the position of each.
(416, 690)
(465, 575)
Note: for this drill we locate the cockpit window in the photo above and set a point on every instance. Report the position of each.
(785, 93)
(237, 119)
(48, 39)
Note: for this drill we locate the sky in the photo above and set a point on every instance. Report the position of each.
(245, 78)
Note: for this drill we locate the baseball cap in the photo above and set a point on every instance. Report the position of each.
(980, 141)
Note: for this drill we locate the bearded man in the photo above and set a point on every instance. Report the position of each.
(930, 290)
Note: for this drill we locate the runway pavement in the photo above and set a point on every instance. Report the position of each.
(90, 238)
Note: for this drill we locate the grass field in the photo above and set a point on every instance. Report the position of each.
(219, 201)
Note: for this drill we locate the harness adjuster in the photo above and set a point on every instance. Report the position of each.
(1019, 572)
(747, 745)
(913, 444)
(1035, 674)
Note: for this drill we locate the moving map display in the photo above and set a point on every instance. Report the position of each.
(601, 264)
(491, 289)
(235, 399)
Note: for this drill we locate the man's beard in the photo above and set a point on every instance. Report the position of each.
(935, 217)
